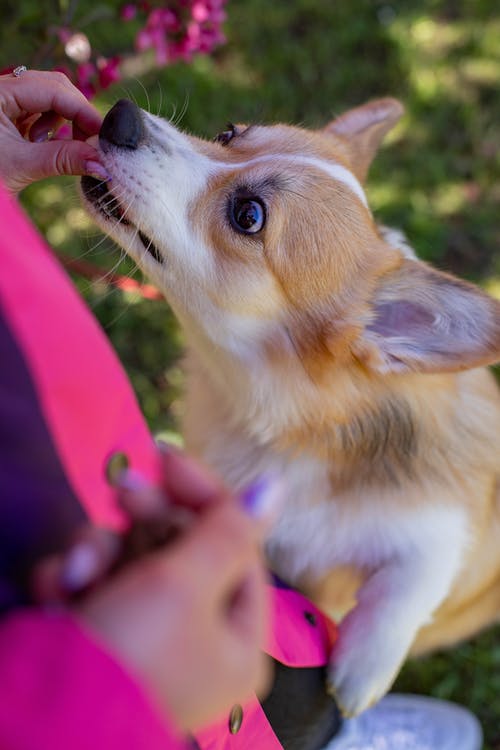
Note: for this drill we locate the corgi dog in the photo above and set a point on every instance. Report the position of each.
(320, 349)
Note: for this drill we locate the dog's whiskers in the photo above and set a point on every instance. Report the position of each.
(177, 120)
(158, 113)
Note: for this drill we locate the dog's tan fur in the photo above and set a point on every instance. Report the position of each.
(322, 350)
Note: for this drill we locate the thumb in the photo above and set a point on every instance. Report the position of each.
(54, 158)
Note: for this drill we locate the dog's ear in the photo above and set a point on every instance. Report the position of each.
(363, 128)
(423, 320)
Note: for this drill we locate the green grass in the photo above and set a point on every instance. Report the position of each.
(304, 61)
(469, 675)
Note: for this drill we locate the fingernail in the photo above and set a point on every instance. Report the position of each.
(263, 498)
(167, 447)
(80, 567)
(133, 480)
(94, 169)
(41, 138)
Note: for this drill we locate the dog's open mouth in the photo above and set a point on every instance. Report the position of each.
(99, 195)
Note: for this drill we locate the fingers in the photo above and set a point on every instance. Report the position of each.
(222, 567)
(189, 614)
(48, 122)
(31, 106)
(35, 161)
(246, 623)
(226, 541)
(218, 551)
(246, 605)
(187, 484)
(89, 559)
(141, 500)
(39, 91)
(221, 531)
(187, 481)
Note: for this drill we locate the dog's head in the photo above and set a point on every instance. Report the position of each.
(264, 244)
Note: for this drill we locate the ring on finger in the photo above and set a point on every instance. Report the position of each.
(17, 72)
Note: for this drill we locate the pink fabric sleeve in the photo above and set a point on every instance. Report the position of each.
(61, 690)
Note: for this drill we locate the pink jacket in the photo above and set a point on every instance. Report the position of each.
(61, 690)
(71, 408)
(66, 409)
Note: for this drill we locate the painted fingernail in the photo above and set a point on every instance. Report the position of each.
(263, 498)
(42, 137)
(168, 447)
(80, 568)
(133, 480)
(95, 169)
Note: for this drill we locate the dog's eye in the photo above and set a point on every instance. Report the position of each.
(247, 215)
(227, 135)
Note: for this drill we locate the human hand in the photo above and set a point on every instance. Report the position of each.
(31, 106)
(188, 619)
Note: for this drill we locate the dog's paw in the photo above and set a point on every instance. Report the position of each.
(360, 674)
(356, 688)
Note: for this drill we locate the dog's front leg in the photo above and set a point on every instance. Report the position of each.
(393, 603)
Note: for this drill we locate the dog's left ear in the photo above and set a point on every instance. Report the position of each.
(363, 129)
(423, 320)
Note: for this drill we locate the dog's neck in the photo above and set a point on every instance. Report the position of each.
(367, 431)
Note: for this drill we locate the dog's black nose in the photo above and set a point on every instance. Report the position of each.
(123, 126)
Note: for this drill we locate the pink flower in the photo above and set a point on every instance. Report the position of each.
(85, 79)
(128, 12)
(178, 32)
(155, 18)
(109, 71)
(143, 40)
(162, 56)
(200, 12)
(194, 33)
(181, 50)
(170, 21)
(87, 89)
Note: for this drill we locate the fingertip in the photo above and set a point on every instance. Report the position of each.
(65, 157)
(91, 556)
(94, 168)
(81, 567)
(187, 480)
(139, 497)
(76, 158)
(263, 499)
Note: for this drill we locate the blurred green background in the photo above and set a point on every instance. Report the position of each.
(305, 61)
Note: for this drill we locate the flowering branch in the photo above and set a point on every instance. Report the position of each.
(172, 30)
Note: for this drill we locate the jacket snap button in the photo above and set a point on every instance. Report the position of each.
(235, 719)
(115, 465)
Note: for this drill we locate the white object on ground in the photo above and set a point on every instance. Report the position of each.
(410, 722)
